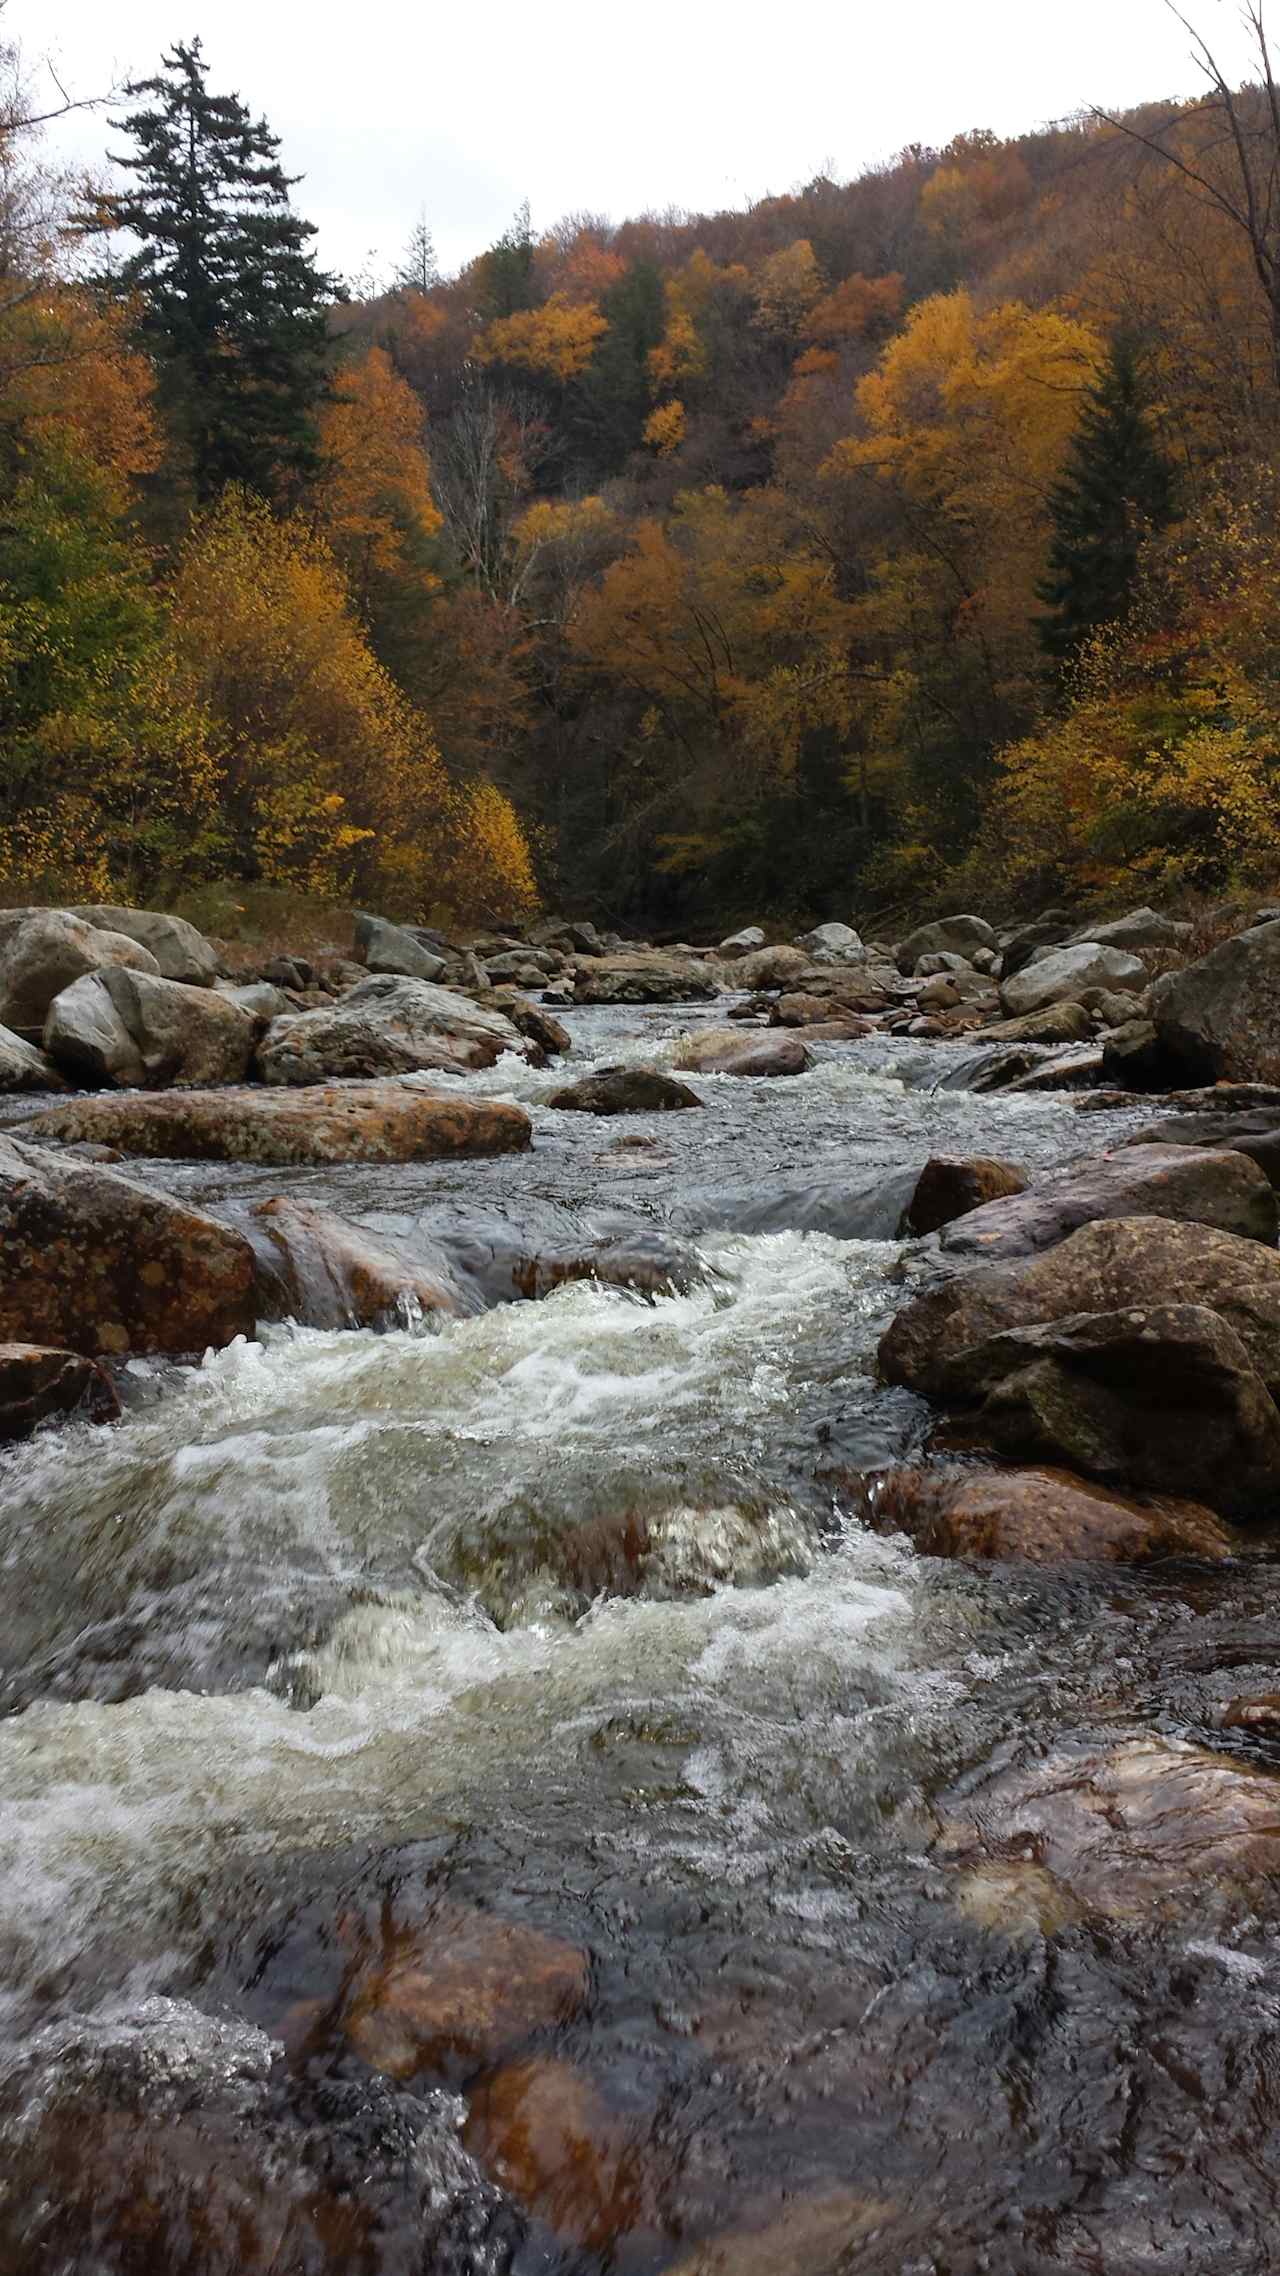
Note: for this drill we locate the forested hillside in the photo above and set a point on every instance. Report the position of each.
(814, 558)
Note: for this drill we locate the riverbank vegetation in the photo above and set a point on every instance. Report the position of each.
(826, 556)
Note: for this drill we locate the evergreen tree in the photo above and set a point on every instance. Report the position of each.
(233, 304)
(419, 270)
(1115, 488)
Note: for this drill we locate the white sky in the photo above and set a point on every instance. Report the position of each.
(390, 108)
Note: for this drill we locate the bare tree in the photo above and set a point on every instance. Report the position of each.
(1236, 163)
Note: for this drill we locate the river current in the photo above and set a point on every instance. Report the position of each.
(558, 1616)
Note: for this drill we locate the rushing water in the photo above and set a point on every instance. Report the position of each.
(553, 1619)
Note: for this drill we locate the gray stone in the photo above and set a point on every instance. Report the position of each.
(1141, 928)
(135, 1030)
(1063, 973)
(832, 942)
(625, 1090)
(1049, 930)
(23, 1068)
(181, 953)
(961, 933)
(43, 953)
(1229, 1192)
(1065, 1022)
(1220, 1018)
(387, 1026)
(651, 976)
(741, 944)
(384, 947)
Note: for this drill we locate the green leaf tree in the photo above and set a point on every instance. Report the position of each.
(1116, 488)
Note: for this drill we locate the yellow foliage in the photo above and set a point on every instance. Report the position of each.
(374, 495)
(788, 286)
(684, 354)
(664, 428)
(75, 381)
(557, 341)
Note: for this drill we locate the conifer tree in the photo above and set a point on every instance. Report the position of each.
(1116, 488)
(233, 304)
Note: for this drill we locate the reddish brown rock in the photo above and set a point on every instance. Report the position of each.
(950, 1186)
(718, 1051)
(1037, 1517)
(348, 1122)
(37, 1384)
(818, 2235)
(543, 2133)
(316, 1268)
(460, 1993)
(1195, 1185)
(1260, 1715)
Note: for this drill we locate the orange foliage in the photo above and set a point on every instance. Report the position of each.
(375, 492)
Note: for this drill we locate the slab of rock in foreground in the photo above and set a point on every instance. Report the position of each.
(348, 1122)
(1040, 1517)
(387, 1026)
(1223, 1189)
(97, 1264)
(719, 1051)
(37, 1384)
(625, 1090)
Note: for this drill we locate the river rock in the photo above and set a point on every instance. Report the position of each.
(812, 2235)
(43, 953)
(180, 952)
(950, 1186)
(1050, 930)
(625, 1090)
(23, 1068)
(533, 1021)
(741, 944)
(1140, 929)
(350, 1122)
(650, 977)
(1134, 1059)
(777, 967)
(459, 1992)
(1220, 1018)
(1256, 1134)
(101, 1265)
(261, 999)
(1041, 1517)
(387, 1026)
(1134, 1181)
(961, 934)
(37, 1384)
(832, 943)
(544, 2133)
(134, 1030)
(384, 947)
(719, 1051)
(1126, 1264)
(316, 1268)
(1067, 1022)
(1061, 974)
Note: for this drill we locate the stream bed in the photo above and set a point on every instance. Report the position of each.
(474, 1800)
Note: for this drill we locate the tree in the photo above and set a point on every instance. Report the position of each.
(419, 270)
(233, 306)
(1114, 488)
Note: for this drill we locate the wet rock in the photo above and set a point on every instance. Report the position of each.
(543, 2132)
(318, 1269)
(741, 944)
(353, 1122)
(384, 947)
(832, 943)
(1073, 1071)
(100, 1265)
(458, 1993)
(1134, 1181)
(24, 1068)
(37, 1384)
(961, 933)
(1141, 929)
(1050, 930)
(1134, 1059)
(1127, 1264)
(718, 1051)
(137, 1031)
(387, 1026)
(1220, 1018)
(1256, 1134)
(652, 978)
(625, 1090)
(533, 1021)
(1060, 975)
(801, 1010)
(180, 952)
(950, 1186)
(817, 2235)
(43, 953)
(1150, 1826)
(777, 967)
(522, 1255)
(1041, 1517)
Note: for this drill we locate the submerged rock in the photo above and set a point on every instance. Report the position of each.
(387, 1026)
(542, 2131)
(1041, 1517)
(817, 2234)
(625, 1090)
(458, 1992)
(1134, 1181)
(37, 1384)
(318, 1269)
(353, 1122)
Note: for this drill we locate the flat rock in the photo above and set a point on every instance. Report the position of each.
(645, 978)
(98, 1264)
(1134, 1181)
(951, 1186)
(812, 2235)
(1255, 1133)
(387, 1026)
(1034, 1516)
(625, 1090)
(1060, 975)
(38, 1385)
(1220, 1017)
(350, 1122)
(719, 1051)
(137, 1031)
(180, 952)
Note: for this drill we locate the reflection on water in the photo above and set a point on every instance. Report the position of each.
(470, 1803)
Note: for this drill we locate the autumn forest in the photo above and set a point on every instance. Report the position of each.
(837, 555)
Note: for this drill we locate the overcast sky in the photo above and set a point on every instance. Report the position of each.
(390, 108)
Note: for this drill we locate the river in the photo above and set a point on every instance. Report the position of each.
(557, 1616)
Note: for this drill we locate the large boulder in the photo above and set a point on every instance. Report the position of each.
(352, 1122)
(1197, 1186)
(181, 953)
(1220, 1018)
(1140, 929)
(384, 947)
(625, 1090)
(23, 1068)
(1048, 930)
(652, 976)
(742, 943)
(43, 952)
(960, 934)
(721, 1051)
(98, 1264)
(1134, 1059)
(1039, 1517)
(1062, 974)
(387, 1026)
(38, 1385)
(136, 1031)
(832, 944)
(1255, 1133)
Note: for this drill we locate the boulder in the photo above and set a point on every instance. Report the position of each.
(532, 1021)
(1220, 1018)
(98, 1264)
(316, 1268)
(1140, 929)
(384, 947)
(1134, 1059)
(294, 972)
(1255, 1133)
(138, 1031)
(387, 1026)
(23, 1068)
(651, 977)
(180, 952)
(625, 1090)
(950, 1186)
(261, 999)
(458, 1993)
(44, 952)
(961, 934)
(38, 1385)
(1047, 931)
(741, 944)
(832, 943)
(1060, 975)
(1064, 1022)
(719, 1051)
(1230, 1193)
(1132, 1263)
(1039, 1517)
(776, 967)
(352, 1122)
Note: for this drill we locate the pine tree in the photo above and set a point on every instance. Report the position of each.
(1115, 489)
(233, 304)
(419, 271)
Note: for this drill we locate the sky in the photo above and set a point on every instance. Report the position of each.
(392, 110)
